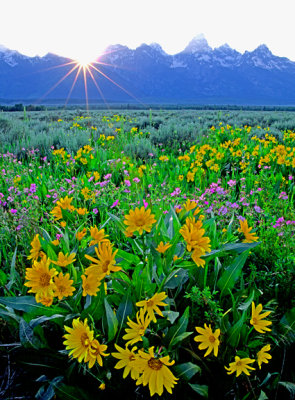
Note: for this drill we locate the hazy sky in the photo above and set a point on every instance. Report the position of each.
(82, 29)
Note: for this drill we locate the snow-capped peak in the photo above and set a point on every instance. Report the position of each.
(197, 44)
(158, 48)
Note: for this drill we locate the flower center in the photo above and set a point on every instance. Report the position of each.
(140, 221)
(150, 303)
(84, 340)
(61, 288)
(211, 339)
(105, 265)
(255, 321)
(132, 358)
(141, 330)
(238, 364)
(44, 279)
(155, 364)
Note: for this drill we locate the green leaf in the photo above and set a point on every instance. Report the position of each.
(180, 338)
(202, 390)
(176, 279)
(13, 273)
(46, 235)
(244, 306)
(131, 259)
(3, 278)
(26, 335)
(234, 332)
(289, 386)
(262, 396)
(29, 305)
(287, 326)
(171, 315)
(178, 329)
(9, 314)
(186, 371)
(111, 320)
(232, 273)
(40, 320)
(125, 308)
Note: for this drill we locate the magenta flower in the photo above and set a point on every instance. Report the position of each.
(13, 211)
(114, 204)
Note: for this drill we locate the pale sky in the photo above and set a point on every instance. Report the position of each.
(82, 29)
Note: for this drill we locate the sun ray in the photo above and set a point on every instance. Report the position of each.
(85, 87)
(85, 67)
(73, 84)
(98, 88)
(119, 86)
(59, 82)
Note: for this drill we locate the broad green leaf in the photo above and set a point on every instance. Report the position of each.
(37, 321)
(131, 259)
(111, 320)
(232, 273)
(287, 326)
(202, 390)
(290, 386)
(171, 315)
(234, 332)
(13, 273)
(180, 338)
(244, 306)
(9, 314)
(186, 371)
(178, 329)
(262, 396)
(26, 335)
(175, 280)
(29, 305)
(125, 308)
(3, 278)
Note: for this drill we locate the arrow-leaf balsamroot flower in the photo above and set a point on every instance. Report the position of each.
(240, 365)
(127, 360)
(139, 220)
(151, 306)
(208, 339)
(258, 321)
(263, 356)
(155, 372)
(246, 230)
(79, 339)
(137, 329)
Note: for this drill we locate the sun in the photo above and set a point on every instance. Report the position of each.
(84, 61)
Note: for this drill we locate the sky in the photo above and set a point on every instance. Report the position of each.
(82, 29)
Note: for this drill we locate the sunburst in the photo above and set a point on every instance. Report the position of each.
(86, 68)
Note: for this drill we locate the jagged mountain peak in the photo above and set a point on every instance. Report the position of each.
(197, 44)
(3, 49)
(197, 74)
(158, 48)
(262, 49)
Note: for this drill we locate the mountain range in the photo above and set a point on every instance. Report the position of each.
(197, 75)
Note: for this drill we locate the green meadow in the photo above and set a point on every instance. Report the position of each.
(147, 254)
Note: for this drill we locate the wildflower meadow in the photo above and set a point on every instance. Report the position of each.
(147, 254)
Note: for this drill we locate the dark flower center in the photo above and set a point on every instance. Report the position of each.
(211, 339)
(44, 279)
(155, 364)
(84, 340)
